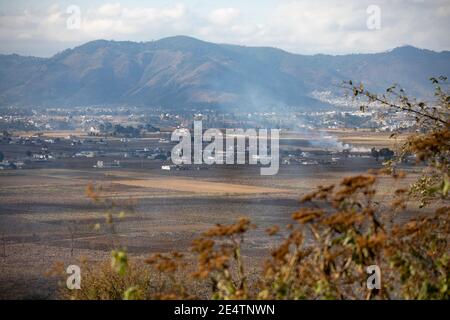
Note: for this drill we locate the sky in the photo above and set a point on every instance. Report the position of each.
(45, 27)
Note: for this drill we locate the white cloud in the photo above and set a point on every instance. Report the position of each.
(110, 10)
(223, 16)
(340, 26)
(320, 26)
(176, 12)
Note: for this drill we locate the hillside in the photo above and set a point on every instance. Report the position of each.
(180, 72)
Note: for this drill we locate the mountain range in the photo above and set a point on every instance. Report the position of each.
(181, 72)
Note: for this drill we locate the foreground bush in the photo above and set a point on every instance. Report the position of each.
(338, 232)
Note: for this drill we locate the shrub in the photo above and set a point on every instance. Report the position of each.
(336, 234)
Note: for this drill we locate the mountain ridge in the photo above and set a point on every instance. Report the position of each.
(181, 71)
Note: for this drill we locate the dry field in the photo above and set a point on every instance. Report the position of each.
(366, 138)
(45, 216)
(199, 186)
(41, 210)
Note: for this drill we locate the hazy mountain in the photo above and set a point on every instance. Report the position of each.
(181, 72)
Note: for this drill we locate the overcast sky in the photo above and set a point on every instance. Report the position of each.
(44, 27)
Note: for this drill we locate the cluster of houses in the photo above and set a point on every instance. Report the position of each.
(177, 167)
(11, 165)
(38, 148)
(107, 165)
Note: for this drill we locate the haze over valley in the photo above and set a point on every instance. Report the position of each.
(181, 72)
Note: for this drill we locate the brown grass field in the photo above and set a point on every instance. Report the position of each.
(45, 216)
